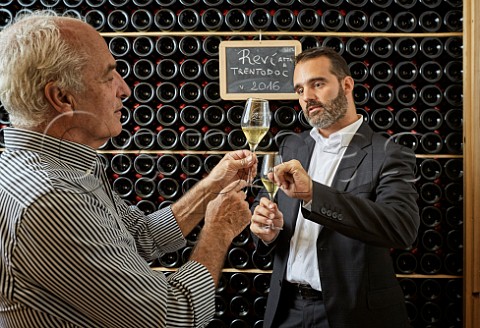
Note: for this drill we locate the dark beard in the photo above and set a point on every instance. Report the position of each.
(332, 112)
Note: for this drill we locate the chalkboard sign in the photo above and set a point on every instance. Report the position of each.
(261, 69)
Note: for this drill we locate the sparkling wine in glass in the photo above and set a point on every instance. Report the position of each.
(268, 164)
(256, 119)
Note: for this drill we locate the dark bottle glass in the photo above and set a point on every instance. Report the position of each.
(406, 47)
(454, 95)
(234, 115)
(284, 19)
(431, 47)
(167, 164)
(430, 193)
(94, 17)
(356, 20)
(189, 45)
(170, 260)
(122, 140)
(383, 94)
(431, 169)
(266, 142)
(168, 188)
(144, 164)
(143, 69)
(211, 69)
(285, 116)
(191, 139)
(236, 139)
(121, 164)
(190, 92)
(215, 139)
(454, 240)
(454, 216)
(214, 115)
(191, 164)
(454, 47)
(236, 19)
(407, 4)
(332, 20)
(211, 161)
(454, 193)
(242, 238)
(382, 3)
(430, 263)
(166, 45)
(382, 118)
(431, 71)
(261, 283)
(211, 92)
(453, 20)
(308, 19)
(357, 47)
(453, 169)
(357, 3)
(259, 306)
(166, 92)
(144, 138)
(90, 3)
(72, 3)
(143, 115)
(118, 20)
(407, 139)
(165, 203)
(333, 3)
(143, 92)
(406, 118)
(454, 143)
(190, 69)
(123, 68)
(143, 46)
(115, 3)
(359, 71)
(453, 290)
(430, 21)
(382, 47)
(188, 19)
(409, 288)
(142, 20)
(431, 240)
(146, 206)
(144, 187)
(364, 113)
(142, 3)
(167, 138)
(361, 94)
(431, 142)
(123, 186)
(167, 68)
(190, 115)
(406, 71)
(405, 263)
(260, 2)
(309, 41)
(454, 71)
(67, 13)
(284, 3)
(192, 238)
(412, 311)
(212, 19)
(221, 308)
(431, 216)
(239, 283)
(381, 21)
(236, 3)
(239, 307)
(431, 119)
(238, 258)
(167, 115)
(26, 3)
(262, 261)
(381, 71)
(431, 95)
(453, 263)
(431, 3)
(430, 289)
(405, 21)
(260, 19)
(211, 45)
(119, 46)
(165, 19)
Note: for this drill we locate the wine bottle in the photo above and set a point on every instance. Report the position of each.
(211, 161)
(308, 19)
(454, 216)
(189, 45)
(238, 258)
(144, 187)
(168, 188)
(71, 3)
(431, 47)
(125, 118)
(430, 263)
(239, 283)
(143, 115)
(356, 20)
(381, 71)
(409, 288)
(431, 95)
(454, 95)
(335, 43)
(431, 3)
(431, 119)
(90, 3)
(166, 92)
(359, 71)
(188, 19)
(170, 260)
(119, 46)
(146, 206)
(123, 68)
(431, 216)
(406, 118)
(188, 183)
(212, 19)
(382, 47)
(454, 47)
(215, 139)
(123, 186)
(431, 169)
(121, 164)
(262, 261)
(309, 41)
(381, 21)
(405, 263)
(453, 290)
(190, 115)
(167, 138)
(332, 20)
(211, 69)
(285, 116)
(454, 71)
(357, 3)
(142, 20)
(167, 164)
(211, 92)
(406, 71)
(185, 254)
(259, 306)
(167, 115)
(191, 139)
(430, 289)
(284, 3)
(221, 308)
(430, 193)
(406, 47)
(236, 19)
(234, 115)
(144, 164)
(122, 141)
(430, 21)
(143, 69)
(260, 19)
(453, 263)
(383, 94)
(382, 3)
(167, 69)
(405, 21)
(143, 46)
(284, 19)
(214, 115)
(361, 94)
(144, 138)
(211, 45)
(142, 3)
(143, 92)
(118, 20)
(191, 164)
(406, 4)
(453, 169)
(239, 306)
(94, 17)
(454, 193)
(166, 45)
(164, 204)
(431, 240)
(190, 92)
(407, 139)
(357, 47)
(454, 240)
(431, 71)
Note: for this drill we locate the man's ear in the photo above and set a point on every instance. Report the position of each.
(348, 84)
(61, 101)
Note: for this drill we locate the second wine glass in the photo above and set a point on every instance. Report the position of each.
(256, 119)
(268, 164)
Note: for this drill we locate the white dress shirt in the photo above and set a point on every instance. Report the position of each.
(302, 265)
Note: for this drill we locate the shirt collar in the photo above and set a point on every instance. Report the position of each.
(81, 157)
(338, 139)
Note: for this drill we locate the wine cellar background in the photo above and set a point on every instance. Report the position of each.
(406, 57)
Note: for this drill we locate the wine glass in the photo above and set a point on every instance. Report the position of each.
(268, 164)
(255, 123)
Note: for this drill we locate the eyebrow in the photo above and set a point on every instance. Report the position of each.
(110, 67)
(322, 79)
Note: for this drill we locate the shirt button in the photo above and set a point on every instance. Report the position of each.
(329, 213)
(334, 215)
(340, 217)
(323, 210)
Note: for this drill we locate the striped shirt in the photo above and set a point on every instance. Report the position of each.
(74, 254)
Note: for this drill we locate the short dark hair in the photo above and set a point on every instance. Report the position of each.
(338, 67)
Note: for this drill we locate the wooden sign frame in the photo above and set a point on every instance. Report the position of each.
(270, 93)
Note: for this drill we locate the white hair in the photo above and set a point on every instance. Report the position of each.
(32, 54)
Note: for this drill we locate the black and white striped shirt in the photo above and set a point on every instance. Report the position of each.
(73, 254)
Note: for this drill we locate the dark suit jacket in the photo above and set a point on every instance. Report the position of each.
(370, 208)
